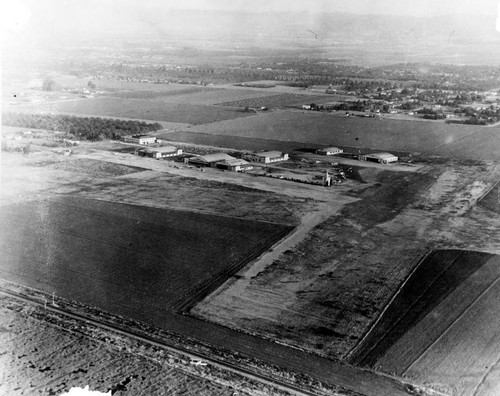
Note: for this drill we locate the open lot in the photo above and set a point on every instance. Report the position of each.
(126, 256)
(137, 109)
(463, 141)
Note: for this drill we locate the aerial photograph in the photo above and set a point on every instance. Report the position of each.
(250, 198)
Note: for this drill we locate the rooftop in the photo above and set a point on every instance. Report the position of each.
(165, 149)
(215, 157)
(271, 154)
(381, 155)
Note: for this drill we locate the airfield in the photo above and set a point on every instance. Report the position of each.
(377, 285)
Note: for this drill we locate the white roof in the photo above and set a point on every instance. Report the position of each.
(235, 162)
(166, 149)
(270, 154)
(330, 149)
(214, 157)
(381, 155)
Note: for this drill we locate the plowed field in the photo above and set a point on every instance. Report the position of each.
(116, 255)
(442, 327)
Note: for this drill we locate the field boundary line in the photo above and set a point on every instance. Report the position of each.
(354, 350)
(452, 324)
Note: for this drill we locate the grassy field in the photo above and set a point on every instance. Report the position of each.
(125, 257)
(138, 109)
(330, 129)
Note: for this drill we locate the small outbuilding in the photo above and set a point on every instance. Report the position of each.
(329, 151)
(382, 158)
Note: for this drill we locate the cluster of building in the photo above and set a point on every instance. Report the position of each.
(227, 162)
(382, 158)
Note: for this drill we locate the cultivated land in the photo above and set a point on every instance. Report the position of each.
(463, 141)
(29, 185)
(138, 109)
(322, 287)
(42, 353)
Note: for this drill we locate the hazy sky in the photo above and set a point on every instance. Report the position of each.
(59, 17)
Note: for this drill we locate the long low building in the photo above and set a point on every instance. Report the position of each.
(210, 159)
(382, 158)
(329, 151)
(234, 165)
(140, 139)
(266, 157)
(159, 152)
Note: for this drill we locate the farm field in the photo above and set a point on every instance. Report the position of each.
(324, 294)
(41, 353)
(278, 100)
(492, 200)
(463, 141)
(196, 96)
(99, 252)
(234, 142)
(454, 346)
(137, 109)
(433, 280)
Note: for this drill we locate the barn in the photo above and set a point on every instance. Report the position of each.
(382, 158)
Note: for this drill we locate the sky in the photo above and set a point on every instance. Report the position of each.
(58, 17)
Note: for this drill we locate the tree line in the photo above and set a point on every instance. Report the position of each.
(90, 128)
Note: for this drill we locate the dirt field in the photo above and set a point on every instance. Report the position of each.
(159, 258)
(198, 96)
(138, 109)
(454, 346)
(463, 141)
(278, 100)
(46, 354)
(434, 280)
(492, 200)
(324, 293)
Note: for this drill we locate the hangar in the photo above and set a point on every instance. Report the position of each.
(234, 165)
(210, 160)
(382, 158)
(266, 157)
(329, 151)
(159, 152)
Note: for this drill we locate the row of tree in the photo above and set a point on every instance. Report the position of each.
(90, 128)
